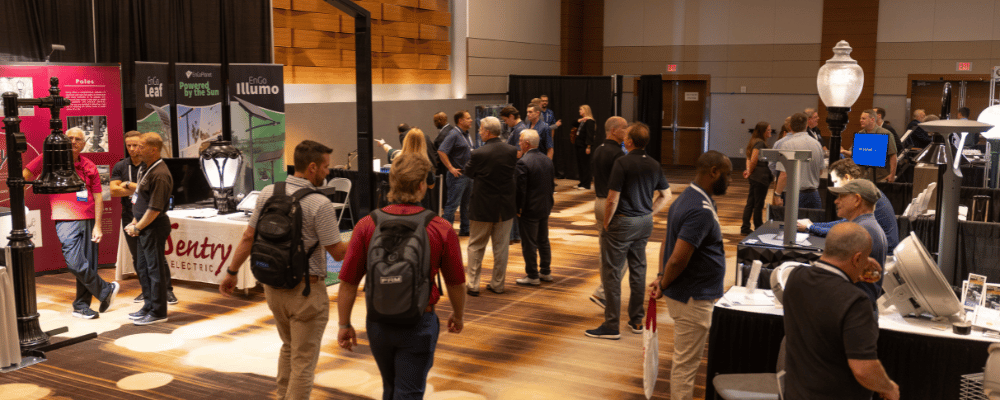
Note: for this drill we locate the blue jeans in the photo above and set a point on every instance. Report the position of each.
(810, 200)
(81, 259)
(459, 192)
(624, 241)
(152, 266)
(404, 355)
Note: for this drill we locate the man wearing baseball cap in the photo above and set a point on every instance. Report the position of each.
(856, 203)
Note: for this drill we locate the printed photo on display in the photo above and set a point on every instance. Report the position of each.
(95, 129)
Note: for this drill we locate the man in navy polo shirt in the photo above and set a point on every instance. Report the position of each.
(454, 153)
(692, 267)
(628, 221)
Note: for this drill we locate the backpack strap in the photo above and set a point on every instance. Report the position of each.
(296, 197)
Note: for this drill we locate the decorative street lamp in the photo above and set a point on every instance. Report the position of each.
(58, 176)
(220, 163)
(839, 84)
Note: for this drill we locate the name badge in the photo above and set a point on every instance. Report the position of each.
(81, 195)
(135, 197)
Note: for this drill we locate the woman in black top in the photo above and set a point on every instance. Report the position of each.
(584, 139)
(759, 175)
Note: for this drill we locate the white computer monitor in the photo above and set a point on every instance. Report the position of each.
(914, 284)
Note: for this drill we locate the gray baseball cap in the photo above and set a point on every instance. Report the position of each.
(863, 187)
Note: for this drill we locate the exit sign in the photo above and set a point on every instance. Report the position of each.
(963, 66)
(671, 67)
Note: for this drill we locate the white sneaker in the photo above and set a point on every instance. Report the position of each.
(545, 278)
(528, 281)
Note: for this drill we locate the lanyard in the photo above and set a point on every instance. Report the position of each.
(146, 171)
(831, 270)
(710, 206)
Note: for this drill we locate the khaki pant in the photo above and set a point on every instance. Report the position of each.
(480, 234)
(691, 323)
(301, 321)
(599, 204)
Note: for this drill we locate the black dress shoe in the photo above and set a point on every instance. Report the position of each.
(515, 241)
(463, 234)
(473, 293)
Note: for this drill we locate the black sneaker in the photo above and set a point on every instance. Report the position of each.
(603, 333)
(463, 234)
(636, 328)
(137, 315)
(85, 313)
(171, 299)
(597, 300)
(110, 300)
(139, 299)
(473, 293)
(149, 319)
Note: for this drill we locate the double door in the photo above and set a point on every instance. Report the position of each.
(686, 109)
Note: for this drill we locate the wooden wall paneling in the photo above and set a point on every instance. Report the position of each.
(281, 4)
(581, 37)
(432, 32)
(282, 37)
(413, 76)
(431, 17)
(308, 39)
(409, 30)
(307, 20)
(438, 5)
(438, 47)
(410, 41)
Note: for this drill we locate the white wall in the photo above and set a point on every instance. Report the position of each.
(506, 39)
(938, 20)
(721, 22)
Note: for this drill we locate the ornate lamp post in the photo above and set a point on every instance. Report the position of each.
(839, 84)
(220, 163)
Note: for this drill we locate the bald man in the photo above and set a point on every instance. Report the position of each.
(602, 160)
(78, 226)
(831, 334)
(152, 226)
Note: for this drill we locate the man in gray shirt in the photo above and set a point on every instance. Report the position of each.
(812, 169)
(301, 320)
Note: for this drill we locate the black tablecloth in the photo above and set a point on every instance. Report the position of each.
(924, 367)
(901, 194)
(771, 256)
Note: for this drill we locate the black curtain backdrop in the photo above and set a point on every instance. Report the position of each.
(650, 111)
(566, 95)
(135, 30)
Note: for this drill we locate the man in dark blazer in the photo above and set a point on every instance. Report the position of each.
(491, 169)
(534, 175)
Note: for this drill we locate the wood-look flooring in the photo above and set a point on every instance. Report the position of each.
(527, 343)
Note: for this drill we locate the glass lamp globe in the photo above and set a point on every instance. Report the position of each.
(991, 115)
(840, 79)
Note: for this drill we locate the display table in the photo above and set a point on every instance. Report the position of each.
(755, 247)
(198, 249)
(925, 358)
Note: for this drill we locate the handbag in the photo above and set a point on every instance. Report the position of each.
(650, 350)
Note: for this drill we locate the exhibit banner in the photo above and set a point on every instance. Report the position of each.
(257, 109)
(152, 103)
(96, 108)
(199, 106)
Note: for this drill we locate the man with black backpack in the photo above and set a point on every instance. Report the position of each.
(291, 223)
(402, 248)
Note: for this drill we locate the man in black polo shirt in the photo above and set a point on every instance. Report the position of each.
(124, 179)
(692, 268)
(602, 161)
(151, 199)
(628, 221)
(831, 334)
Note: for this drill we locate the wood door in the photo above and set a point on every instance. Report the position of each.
(926, 92)
(685, 119)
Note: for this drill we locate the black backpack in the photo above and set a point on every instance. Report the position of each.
(399, 283)
(278, 256)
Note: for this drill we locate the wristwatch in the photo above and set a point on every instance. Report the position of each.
(348, 326)
(231, 272)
